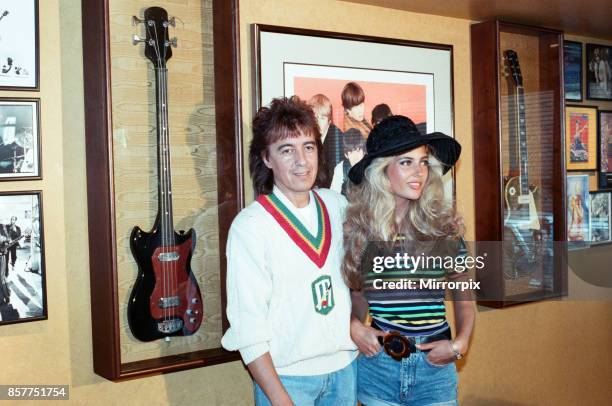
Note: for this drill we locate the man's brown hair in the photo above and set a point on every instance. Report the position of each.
(283, 118)
(352, 95)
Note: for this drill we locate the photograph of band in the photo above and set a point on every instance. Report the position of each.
(19, 139)
(22, 276)
(349, 102)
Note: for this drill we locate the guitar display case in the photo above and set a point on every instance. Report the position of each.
(519, 162)
(164, 180)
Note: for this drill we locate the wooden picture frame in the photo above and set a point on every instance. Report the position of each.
(572, 70)
(19, 30)
(20, 139)
(581, 138)
(304, 62)
(105, 304)
(24, 289)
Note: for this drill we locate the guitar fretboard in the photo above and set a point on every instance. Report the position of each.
(163, 159)
(522, 139)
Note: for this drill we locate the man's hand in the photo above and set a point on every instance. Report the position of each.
(365, 337)
(265, 375)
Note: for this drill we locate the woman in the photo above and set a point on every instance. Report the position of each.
(353, 101)
(397, 195)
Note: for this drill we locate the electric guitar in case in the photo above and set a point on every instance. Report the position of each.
(522, 218)
(165, 300)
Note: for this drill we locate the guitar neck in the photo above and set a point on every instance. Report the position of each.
(521, 130)
(163, 158)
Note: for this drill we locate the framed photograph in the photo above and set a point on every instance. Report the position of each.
(572, 70)
(578, 219)
(22, 260)
(19, 54)
(20, 139)
(601, 217)
(581, 138)
(354, 81)
(604, 140)
(598, 65)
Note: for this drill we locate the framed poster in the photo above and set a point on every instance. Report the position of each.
(22, 260)
(598, 65)
(20, 139)
(578, 219)
(194, 135)
(581, 138)
(601, 217)
(19, 64)
(604, 140)
(572, 70)
(357, 79)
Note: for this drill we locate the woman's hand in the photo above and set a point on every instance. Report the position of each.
(365, 337)
(441, 352)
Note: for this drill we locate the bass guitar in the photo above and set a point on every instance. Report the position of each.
(165, 300)
(522, 219)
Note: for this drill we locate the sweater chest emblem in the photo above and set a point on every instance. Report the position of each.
(323, 295)
(316, 247)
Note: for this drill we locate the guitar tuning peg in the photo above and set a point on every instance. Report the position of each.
(171, 22)
(136, 20)
(136, 39)
(173, 42)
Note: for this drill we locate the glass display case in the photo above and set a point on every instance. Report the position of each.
(519, 162)
(163, 156)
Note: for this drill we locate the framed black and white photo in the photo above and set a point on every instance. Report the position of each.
(19, 53)
(20, 139)
(390, 76)
(572, 70)
(22, 265)
(600, 217)
(598, 66)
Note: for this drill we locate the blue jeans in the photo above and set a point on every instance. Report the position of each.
(333, 389)
(414, 381)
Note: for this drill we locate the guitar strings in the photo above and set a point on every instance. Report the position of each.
(173, 264)
(161, 163)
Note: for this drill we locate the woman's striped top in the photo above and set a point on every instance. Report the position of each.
(406, 299)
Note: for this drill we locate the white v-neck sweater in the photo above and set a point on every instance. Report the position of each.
(270, 303)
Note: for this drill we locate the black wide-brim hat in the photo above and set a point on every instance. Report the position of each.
(397, 134)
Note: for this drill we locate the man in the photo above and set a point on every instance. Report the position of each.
(353, 101)
(354, 147)
(288, 306)
(331, 136)
(4, 240)
(14, 232)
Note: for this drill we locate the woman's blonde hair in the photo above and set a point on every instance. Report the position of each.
(370, 216)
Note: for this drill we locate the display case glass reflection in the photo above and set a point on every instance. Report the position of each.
(526, 138)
